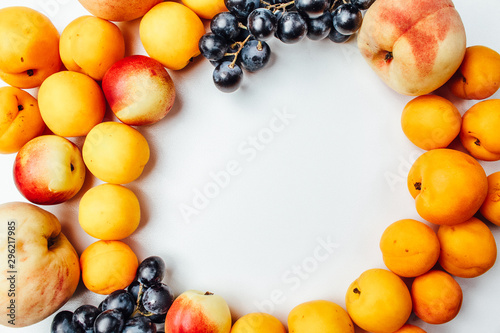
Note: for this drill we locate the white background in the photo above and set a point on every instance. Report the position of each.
(334, 173)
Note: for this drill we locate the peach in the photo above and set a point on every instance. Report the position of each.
(206, 9)
(71, 103)
(258, 322)
(29, 52)
(409, 247)
(170, 33)
(479, 134)
(124, 10)
(490, 208)
(109, 212)
(20, 119)
(448, 186)
(379, 301)
(436, 297)
(319, 316)
(468, 249)
(415, 46)
(108, 266)
(90, 45)
(479, 74)
(431, 122)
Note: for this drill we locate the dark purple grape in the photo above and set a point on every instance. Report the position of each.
(157, 299)
(109, 321)
(225, 25)
(139, 325)
(134, 288)
(362, 4)
(262, 23)
(241, 8)
(63, 323)
(318, 28)
(337, 37)
(120, 300)
(291, 28)
(84, 317)
(228, 57)
(152, 269)
(158, 318)
(227, 76)
(255, 55)
(212, 46)
(347, 19)
(313, 8)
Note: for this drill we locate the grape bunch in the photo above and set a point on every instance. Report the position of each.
(237, 40)
(137, 309)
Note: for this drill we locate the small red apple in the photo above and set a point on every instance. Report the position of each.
(139, 90)
(198, 312)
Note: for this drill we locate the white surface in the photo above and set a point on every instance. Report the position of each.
(334, 173)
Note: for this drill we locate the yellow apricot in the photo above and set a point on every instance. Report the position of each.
(319, 316)
(491, 205)
(258, 322)
(206, 9)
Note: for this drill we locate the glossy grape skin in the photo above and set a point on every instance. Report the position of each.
(121, 300)
(241, 8)
(362, 4)
(262, 23)
(63, 323)
(227, 77)
(84, 317)
(157, 299)
(313, 8)
(347, 19)
(151, 270)
(291, 28)
(228, 57)
(212, 46)
(337, 37)
(318, 28)
(255, 55)
(109, 321)
(133, 289)
(225, 25)
(139, 325)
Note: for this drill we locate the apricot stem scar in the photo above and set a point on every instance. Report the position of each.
(388, 56)
(418, 186)
(477, 142)
(356, 291)
(208, 293)
(30, 72)
(20, 108)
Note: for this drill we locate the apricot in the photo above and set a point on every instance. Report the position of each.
(490, 208)
(258, 322)
(109, 212)
(379, 301)
(319, 316)
(20, 119)
(90, 45)
(115, 152)
(431, 122)
(123, 10)
(468, 249)
(29, 52)
(71, 103)
(409, 328)
(206, 9)
(479, 134)
(448, 186)
(170, 33)
(479, 74)
(409, 247)
(436, 297)
(108, 266)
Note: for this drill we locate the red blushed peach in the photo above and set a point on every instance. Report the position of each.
(123, 10)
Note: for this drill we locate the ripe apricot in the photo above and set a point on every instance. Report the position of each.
(479, 74)
(436, 297)
(409, 247)
(491, 205)
(20, 119)
(108, 266)
(409, 328)
(379, 301)
(90, 45)
(479, 133)
(258, 322)
(123, 10)
(431, 122)
(468, 249)
(319, 316)
(29, 52)
(448, 186)
(206, 9)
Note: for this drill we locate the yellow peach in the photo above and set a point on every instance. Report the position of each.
(29, 52)
(20, 119)
(319, 316)
(90, 45)
(258, 322)
(491, 205)
(71, 103)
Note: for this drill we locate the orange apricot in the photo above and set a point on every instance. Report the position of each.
(409, 328)
(491, 205)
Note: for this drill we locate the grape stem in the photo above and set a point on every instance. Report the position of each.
(138, 302)
(278, 6)
(235, 54)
